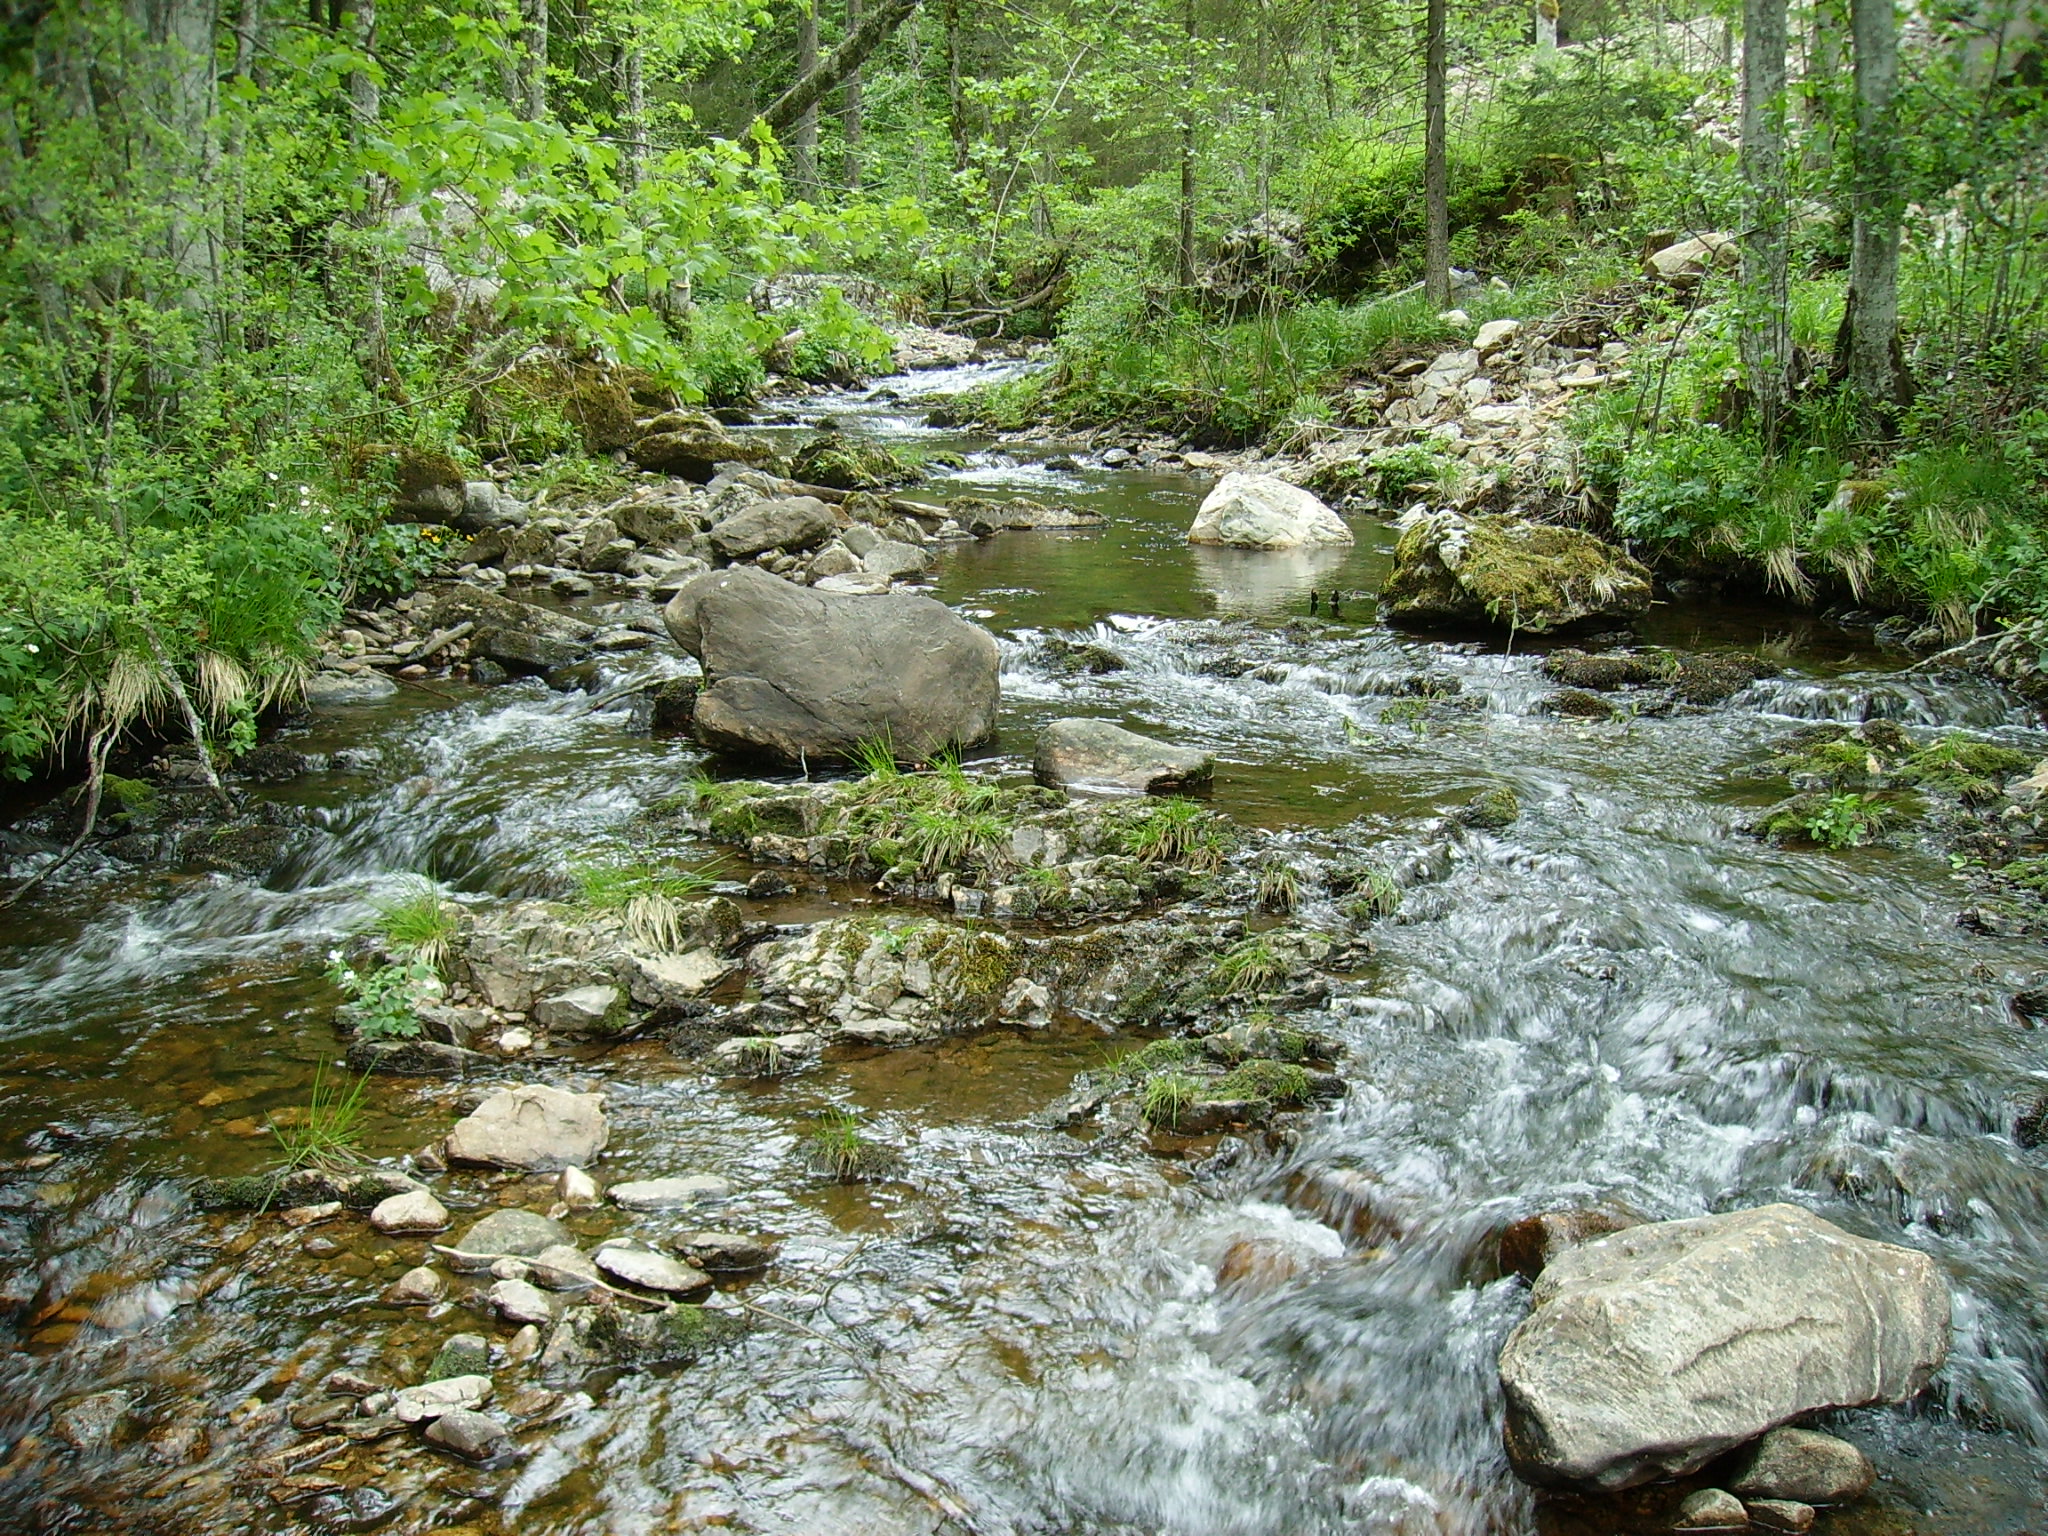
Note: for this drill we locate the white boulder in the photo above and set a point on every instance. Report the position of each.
(1261, 512)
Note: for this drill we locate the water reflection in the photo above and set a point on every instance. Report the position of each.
(1257, 583)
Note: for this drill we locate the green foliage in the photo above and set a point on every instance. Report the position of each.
(383, 1003)
(327, 1132)
(875, 757)
(839, 342)
(1845, 820)
(761, 1056)
(1279, 885)
(941, 838)
(1375, 896)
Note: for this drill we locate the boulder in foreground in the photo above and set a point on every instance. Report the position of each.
(1648, 1353)
(795, 673)
(1095, 755)
(1261, 512)
(1449, 568)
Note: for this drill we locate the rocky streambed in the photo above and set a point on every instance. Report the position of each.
(957, 1146)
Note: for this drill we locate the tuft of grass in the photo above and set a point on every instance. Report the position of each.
(760, 1056)
(1275, 1082)
(875, 756)
(1154, 1056)
(837, 1146)
(941, 839)
(649, 898)
(1249, 967)
(1279, 885)
(1175, 832)
(417, 924)
(1376, 895)
(1166, 1097)
(329, 1133)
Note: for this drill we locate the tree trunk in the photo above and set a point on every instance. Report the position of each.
(633, 89)
(810, 87)
(1868, 356)
(533, 59)
(1436, 190)
(1546, 26)
(1763, 329)
(803, 138)
(850, 123)
(956, 95)
(183, 106)
(359, 19)
(1186, 248)
(1823, 68)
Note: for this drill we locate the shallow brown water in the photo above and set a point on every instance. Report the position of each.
(1020, 1331)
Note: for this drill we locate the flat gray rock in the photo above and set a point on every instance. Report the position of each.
(669, 1194)
(1093, 755)
(1651, 1352)
(431, 1399)
(521, 1301)
(338, 690)
(521, 1233)
(792, 523)
(724, 1251)
(414, 1211)
(533, 1127)
(469, 1434)
(650, 1271)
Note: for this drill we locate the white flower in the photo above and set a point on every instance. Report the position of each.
(33, 649)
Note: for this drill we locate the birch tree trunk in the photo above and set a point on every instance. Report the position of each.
(803, 139)
(1186, 243)
(1546, 26)
(1763, 335)
(1436, 187)
(850, 108)
(956, 95)
(633, 89)
(1868, 356)
(533, 59)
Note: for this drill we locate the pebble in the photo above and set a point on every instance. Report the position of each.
(464, 1354)
(563, 1268)
(669, 1194)
(517, 1232)
(319, 1247)
(87, 1423)
(516, 1040)
(319, 1415)
(523, 1345)
(312, 1215)
(719, 1251)
(420, 1286)
(1781, 1514)
(650, 1271)
(518, 1301)
(432, 1398)
(510, 1269)
(414, 1211)
(476, 1436)
(1710, 1509)
(577, 1189)
(349, 1384)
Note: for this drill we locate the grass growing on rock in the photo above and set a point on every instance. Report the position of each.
(1850, 784)
(838, 1147)
(648, 897)
(328, 1132)
(1275, 1082)
(1249, 967)
(1167, 1096)
(1177, 832)
(418, 924)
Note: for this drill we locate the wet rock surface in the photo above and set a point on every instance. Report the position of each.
(1652, 1351)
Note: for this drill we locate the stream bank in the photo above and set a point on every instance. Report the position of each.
(1034, 1312)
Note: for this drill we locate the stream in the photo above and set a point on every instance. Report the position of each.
(1619, 999)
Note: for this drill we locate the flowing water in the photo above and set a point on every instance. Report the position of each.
(1619, 999)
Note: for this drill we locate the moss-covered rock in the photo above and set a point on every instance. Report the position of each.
(1606, 672)
(1491, 810)
(850, 464)
(1449, 568)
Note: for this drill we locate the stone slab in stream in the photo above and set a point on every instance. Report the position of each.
(797, 674)
(1093, 755)
(534, 1127)
(1262, 512)
(1649, 1353)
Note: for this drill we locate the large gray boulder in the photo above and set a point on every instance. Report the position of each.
(1093, 755)
(795, 673)
(533, 1126)
(793, 522)
(1649, 1353)
(1534, 577)
(1261, 512)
